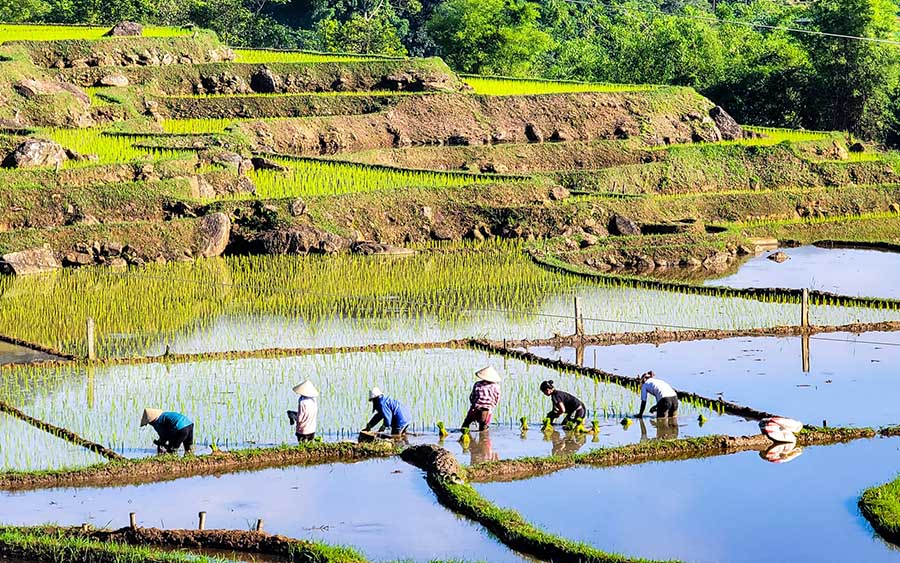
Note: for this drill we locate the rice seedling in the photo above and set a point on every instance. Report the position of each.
(309, 177)
(546, 426)
(329, 94)
(236, 403)
(276, 56)
(779, 134)
(442, 430)
(108, 149)
(34, 32)
(465, 439)
(25, 448)
(507, 86)
(247, 303)
(523, 424)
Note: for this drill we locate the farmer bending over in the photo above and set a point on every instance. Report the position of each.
(666, 397)
(484, 398)
(563, 403)
(307, 412)
(389, 412)
(174, 429)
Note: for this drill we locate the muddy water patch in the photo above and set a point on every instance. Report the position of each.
(243, 403)
(716, 509)
(13, 354)
(845, 271)
(844, 385)
(382, 508)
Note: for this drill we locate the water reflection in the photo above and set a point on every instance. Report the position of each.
(666, 428)
(781, 453)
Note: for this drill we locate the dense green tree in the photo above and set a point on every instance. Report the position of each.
(14, 11)
(489, 36)
(853, 80)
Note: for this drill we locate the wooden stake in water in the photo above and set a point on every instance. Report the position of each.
(202, 524)
(579, 321)
(804, 309)
(91, 352)
(132, 518)
(804, 351)
(259, 525)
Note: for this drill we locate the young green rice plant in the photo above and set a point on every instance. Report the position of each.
(108, 149)
(779, 134)
(198, 126)
(442, 430)
(523, 424)
(702, 419)
(309, 177)
(33, 32)
(506, 86)
(466, 438)
(277, 56)
(546, 426)
(626, 422)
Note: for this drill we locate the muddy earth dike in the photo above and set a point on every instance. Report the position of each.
(171, 467)
(249, 542)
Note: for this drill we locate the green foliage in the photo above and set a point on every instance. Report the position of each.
(360, 34)
(489, 36)
(13, 11)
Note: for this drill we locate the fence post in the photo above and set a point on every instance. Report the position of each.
(259, 525)
(579, 321)
(202, 524)
(804, 309)
(132, 519)
(91, 351)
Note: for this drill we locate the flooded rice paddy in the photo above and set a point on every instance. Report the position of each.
(26, 448)
(252, 303)
(382, 508)
(845, 271)
(12, 354)
(736, 508)
(845, 384)
(242, 403)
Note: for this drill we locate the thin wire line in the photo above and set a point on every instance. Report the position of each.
(713, 19)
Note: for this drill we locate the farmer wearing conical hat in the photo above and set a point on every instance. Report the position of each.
(307, 412)
(563, 403)
(174, 430)
(484, 398)
(388, 411)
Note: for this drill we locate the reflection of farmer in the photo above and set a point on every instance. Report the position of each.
(174, 429)
(781, 453)
(666, 429)
(307, 412)
(481, 448)
(666, 397)
(484, 398)
(566, 443)
(388, 411)
(563, 403)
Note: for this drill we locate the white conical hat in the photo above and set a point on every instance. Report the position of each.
(306, 389)
(488, 374)
(375, 393)
(150, 415)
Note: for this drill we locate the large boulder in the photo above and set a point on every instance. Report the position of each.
(215, 232)
(621, 225)
(32, 261)
(36, 152)
(113, 80)
(126, 29)
(301, 240)
(729, 129)
(29, 89)
(264, 81)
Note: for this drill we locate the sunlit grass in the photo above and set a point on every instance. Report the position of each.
(502, 86)
(109, 149)
(28, 32)
(274, 56)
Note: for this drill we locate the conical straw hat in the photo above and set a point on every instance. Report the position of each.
(375, 393)
(306, 389)
(150, 415)
(488, 374)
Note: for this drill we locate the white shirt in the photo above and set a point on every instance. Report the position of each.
(658, 388)
(307, 412)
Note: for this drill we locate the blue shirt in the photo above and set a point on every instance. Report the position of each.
(169, 422)
(395, 414)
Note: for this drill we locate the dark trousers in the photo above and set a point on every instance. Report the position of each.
(171, 442)
(667, 406)
(306, 437)
(481, 416)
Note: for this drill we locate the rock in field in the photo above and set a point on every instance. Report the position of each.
(264, 81)
(215, 231)
(113, 80)
(778, 257)
(260, 163)
(621, 225)
(32, 261)
(30, 88)
(126, 29)
(729, 129)
(36, 152)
